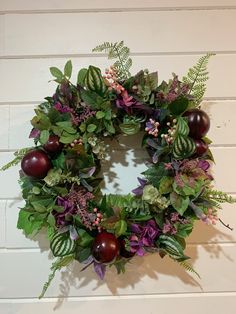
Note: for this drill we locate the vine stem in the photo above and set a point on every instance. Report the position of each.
(227, 226)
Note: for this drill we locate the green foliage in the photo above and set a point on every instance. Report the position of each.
(61, 244)
(94, 81)
(68, 69)
(152, 196)
(172, 247)
(56, 176)
(189, 268)
(84, 239)
(57, 265)
(81, 77)
(183, 147)
(120, 227)
(218, 196)
(178, 106)
(19, 156)
(179, 202)
(31, 222)
(59, 75)
(196, 78)
(121, 53)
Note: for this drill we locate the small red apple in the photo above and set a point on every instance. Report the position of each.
(201, 147)
(198, 122)
(105, 247)
(53, 145)
(36, 163)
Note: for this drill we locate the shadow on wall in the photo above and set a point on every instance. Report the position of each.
(151, 266)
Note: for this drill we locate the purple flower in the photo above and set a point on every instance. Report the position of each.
(62, 108)
(63, 218)
(203, 164)
(139, 190)
(35, 133)
(127, 102)
(143, 236)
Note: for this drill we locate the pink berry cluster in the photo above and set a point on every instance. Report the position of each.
(76, 142)
(170, 135)
(210, 217)
(152, 127)
(111, 80)
(98, 219)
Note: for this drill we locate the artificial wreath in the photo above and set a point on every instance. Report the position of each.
(60, 177)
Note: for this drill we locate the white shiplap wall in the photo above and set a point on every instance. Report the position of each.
(167, 35)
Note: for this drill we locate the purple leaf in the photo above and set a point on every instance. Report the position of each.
(100, 269)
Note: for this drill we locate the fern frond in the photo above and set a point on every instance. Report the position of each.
(189, 268)
(196, 78)
(219, 196)
(19, 155)
(57, 265)
(121, 53)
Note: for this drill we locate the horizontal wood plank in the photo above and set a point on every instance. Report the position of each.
(201, 234)
(30, 76)
(2, 223)
(132, 164)
(61, 33)
(221, 302)
(221, 113)
(98, 5)
(149, 275)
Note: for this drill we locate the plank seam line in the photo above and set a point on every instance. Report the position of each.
(119, 10)
(102, 55)
(121, 297)
(45, 248)
(36, 102)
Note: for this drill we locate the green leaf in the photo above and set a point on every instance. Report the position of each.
(66, 126)
(91, 128)
(179, 202)
(184, 230)
(53, 177)
(84, 254)
(36, 190)
(165, 186)
(56, 73)
(120, 228)
(44, 135)
(81, 76)
(51, 220)
(178, 106)
(38, 206)
(172, 247)
(183, 147)
(59, 162)
(61, 244)
(109, 126)
(85, 239)
(182, 126)
(67, 138)
(100, 114)
(68, 69)
(30, 222)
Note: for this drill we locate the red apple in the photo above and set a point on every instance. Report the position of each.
(53, 145)
(105, 248)
(198, 122)
(201, 147)
(36, 163)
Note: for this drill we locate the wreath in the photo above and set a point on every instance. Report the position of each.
(60, 176)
